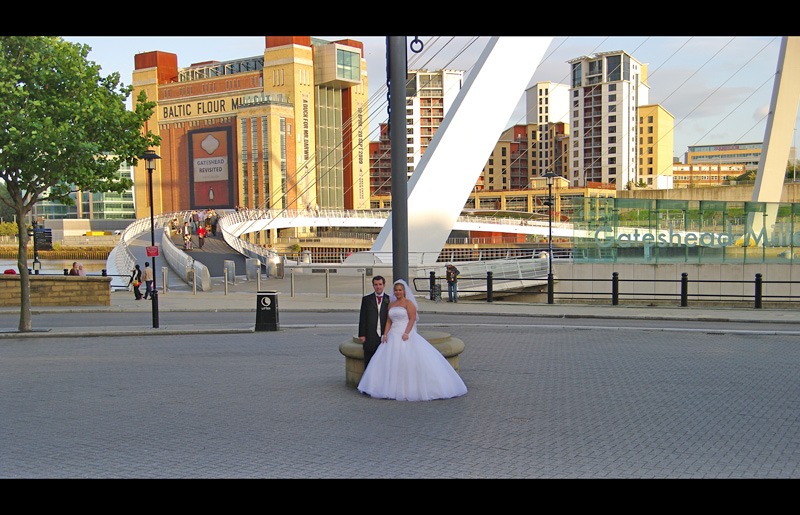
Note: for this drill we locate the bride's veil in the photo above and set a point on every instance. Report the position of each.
(409, 295)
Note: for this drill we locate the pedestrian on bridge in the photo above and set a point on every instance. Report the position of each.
(187, 236)
(201, 236)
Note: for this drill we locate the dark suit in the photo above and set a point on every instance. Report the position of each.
(368, 323)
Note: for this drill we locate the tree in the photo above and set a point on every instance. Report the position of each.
(62, 126)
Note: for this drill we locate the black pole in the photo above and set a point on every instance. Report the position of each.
(684, 289)
(154, 293)
(615, 288)
(36, 249)
(489, 287)
(550, 225)
(397, 75)
(550, 242)
(759, 286)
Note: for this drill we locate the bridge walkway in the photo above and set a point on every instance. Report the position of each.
(214, 253)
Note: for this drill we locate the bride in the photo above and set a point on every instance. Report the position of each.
(406, 367)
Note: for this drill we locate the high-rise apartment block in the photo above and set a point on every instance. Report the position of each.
(656, 143)
(527, 151)
(429, 95)
(284, 130)
(547, 115)
(606, 91)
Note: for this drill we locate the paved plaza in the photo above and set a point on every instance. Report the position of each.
(543, 402)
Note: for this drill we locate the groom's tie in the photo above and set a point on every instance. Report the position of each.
(380, 300)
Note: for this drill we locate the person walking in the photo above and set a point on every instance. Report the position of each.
(147, 277)
(214, 221)
(187, 236)
(201, 236)
(136, 281)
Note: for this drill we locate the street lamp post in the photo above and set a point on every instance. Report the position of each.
(150, 164)
(37, 265)
(550, 178)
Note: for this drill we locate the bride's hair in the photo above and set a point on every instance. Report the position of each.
(409, 294)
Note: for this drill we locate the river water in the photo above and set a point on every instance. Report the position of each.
(57, 266)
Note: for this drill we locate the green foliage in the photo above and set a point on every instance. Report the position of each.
(62, 124)
(747, 176)
(8, 229)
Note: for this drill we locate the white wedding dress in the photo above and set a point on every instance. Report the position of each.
(409, 370)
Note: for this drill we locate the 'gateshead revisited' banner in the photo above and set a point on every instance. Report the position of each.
(211, 174)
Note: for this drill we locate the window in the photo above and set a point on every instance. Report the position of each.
(348, 65)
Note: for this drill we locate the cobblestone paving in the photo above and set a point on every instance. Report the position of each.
(560, 403)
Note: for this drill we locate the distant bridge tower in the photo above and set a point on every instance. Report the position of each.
(449, 169)
(780, 123)
(778, 135)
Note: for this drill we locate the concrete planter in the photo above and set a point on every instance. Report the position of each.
(353, 352)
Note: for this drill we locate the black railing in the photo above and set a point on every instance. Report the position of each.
(757, 297)
(435, 286)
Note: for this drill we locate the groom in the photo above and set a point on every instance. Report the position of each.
(372, 318)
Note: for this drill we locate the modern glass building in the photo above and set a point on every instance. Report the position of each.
(684, 231)
(92, 206)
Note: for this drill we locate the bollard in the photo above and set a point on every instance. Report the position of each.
(291, 276)
(327, 282)
(225, 273)
(433, 285)
(684, 289)
(231, 267)
(549, 288)
(615, 289)
(164, 279)
(759, 286)
(489, 287)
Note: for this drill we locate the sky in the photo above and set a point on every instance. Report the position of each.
(718, 88)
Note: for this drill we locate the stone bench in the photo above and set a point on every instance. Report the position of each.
(353, 351)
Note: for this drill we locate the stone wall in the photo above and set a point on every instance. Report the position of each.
(57, 290)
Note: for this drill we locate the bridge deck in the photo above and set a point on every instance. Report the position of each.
(214, 253)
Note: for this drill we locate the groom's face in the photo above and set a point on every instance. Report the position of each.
(378, 286)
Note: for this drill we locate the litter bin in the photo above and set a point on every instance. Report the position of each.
(267, 311)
